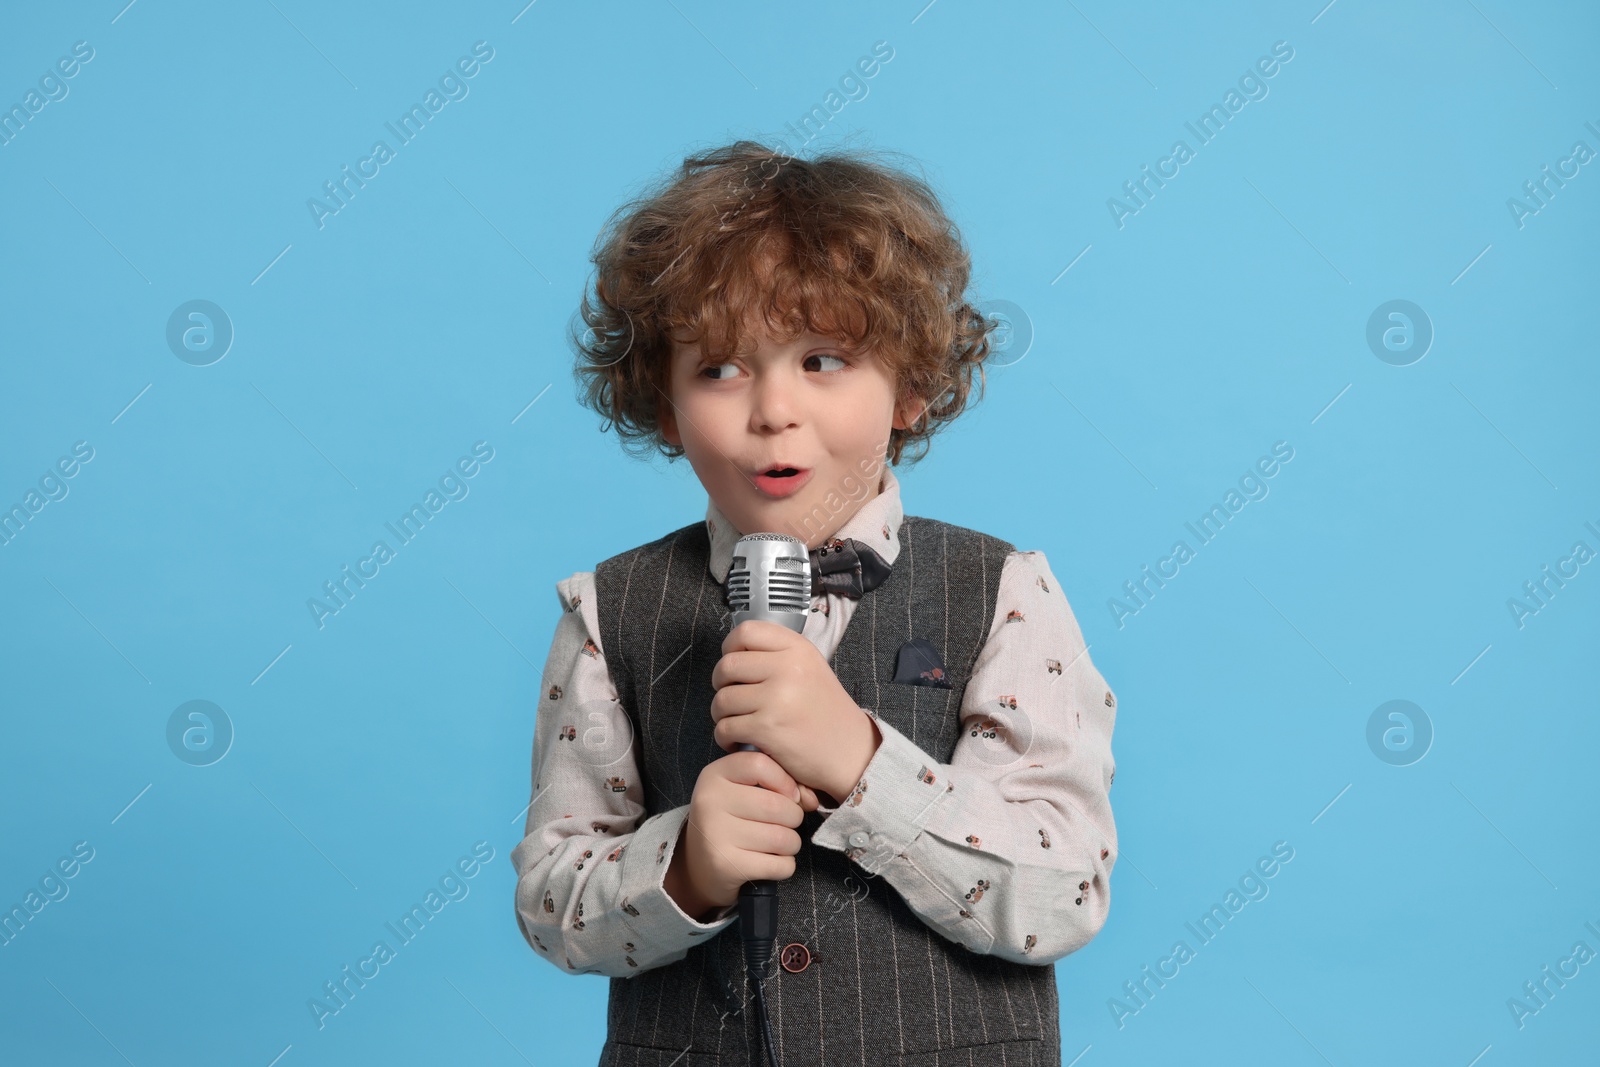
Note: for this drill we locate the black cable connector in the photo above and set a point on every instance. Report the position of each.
(758, 928)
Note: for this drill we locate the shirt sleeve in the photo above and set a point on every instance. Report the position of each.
(1008, 848)
(590, 893)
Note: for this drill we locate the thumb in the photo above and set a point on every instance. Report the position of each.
(808, 798)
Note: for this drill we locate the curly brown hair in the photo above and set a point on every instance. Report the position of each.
(843, 245)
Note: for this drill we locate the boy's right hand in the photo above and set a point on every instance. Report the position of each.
(740, 829)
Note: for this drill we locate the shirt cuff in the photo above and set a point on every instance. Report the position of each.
(900, 789)
(648, 908)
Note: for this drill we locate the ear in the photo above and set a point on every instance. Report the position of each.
(907, 411)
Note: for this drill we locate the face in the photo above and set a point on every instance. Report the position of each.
(812, 404)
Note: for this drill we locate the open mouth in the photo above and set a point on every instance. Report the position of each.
(781, 481)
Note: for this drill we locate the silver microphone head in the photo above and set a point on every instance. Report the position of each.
(769, 578)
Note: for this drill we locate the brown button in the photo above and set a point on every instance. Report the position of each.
(795, 957)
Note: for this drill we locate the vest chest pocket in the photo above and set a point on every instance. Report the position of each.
(919, 663)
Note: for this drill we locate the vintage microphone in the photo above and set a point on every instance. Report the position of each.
(769, 578)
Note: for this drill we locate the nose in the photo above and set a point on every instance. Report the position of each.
(773, 404)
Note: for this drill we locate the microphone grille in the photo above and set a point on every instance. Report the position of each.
(779, 586)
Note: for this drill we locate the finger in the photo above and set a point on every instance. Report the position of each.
(735, 700)
(808, 798)
(759, 635)
(764, 838)
(771, 839)
(758, 768)
(755, 804)
(736, 858)
(741, 728)
(772, 867)
(743, 666)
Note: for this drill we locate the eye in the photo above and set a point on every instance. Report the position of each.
(718, 366)
(823, 355)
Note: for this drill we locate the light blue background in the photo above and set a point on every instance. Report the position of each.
(1227, 315)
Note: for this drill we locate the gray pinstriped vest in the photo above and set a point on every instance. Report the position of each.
(884, 987)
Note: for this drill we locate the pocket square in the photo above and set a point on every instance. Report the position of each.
(918, 664)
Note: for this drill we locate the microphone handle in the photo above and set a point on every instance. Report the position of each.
(758, 902)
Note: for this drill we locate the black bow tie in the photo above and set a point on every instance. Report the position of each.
(847, 566)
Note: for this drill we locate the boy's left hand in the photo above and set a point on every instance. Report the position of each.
(775, 691)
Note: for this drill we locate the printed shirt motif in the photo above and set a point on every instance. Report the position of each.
(1007, 849)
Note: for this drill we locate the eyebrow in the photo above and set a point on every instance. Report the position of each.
(805, 340)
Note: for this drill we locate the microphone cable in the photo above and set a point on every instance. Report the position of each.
(758, 929)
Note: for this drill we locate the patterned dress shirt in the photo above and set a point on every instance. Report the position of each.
(1028, 823)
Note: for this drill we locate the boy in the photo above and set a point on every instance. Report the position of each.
(789, 325)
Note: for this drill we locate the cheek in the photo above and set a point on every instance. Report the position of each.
(699, 419)
(861, 423)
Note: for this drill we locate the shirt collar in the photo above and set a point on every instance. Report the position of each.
(876, 523)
